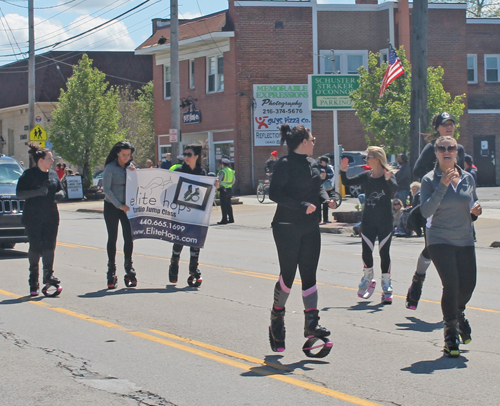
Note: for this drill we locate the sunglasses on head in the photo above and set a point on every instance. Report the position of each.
(450, 148)
(188, 154)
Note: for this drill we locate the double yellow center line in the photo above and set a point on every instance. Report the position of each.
(227, 357)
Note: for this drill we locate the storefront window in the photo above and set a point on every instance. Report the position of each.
(224, 150)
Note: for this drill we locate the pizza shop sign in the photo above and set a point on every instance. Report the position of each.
(192, 116)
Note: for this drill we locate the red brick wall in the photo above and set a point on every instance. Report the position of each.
(267, 55)
(447, 48)
(353, 30)
(479, 42)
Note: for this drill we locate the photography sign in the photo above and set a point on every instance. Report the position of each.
(331, 92)
(276, 105)
(168, 205)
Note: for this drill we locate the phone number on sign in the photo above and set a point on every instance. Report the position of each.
(282, 111)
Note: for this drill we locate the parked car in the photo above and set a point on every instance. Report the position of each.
(11, 208)
(97, 178)
(357, 165)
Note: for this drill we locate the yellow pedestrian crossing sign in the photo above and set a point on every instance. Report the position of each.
(38, 134)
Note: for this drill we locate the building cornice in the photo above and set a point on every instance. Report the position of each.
(194, 42)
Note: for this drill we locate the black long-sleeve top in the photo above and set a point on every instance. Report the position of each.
(39, 190)
(378, 193)
(426, 161)
(296, 184)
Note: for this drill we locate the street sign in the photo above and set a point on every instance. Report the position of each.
(38, 134)
(173, 135)
(38, 119)
(331, 92)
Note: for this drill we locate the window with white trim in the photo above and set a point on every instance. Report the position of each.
(384, 55)
(343, 62)
(191, 73)
(215, 74)
(491, 67)
(167, 79)
(472, 68)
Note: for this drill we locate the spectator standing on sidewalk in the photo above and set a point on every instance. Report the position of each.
(403, 177)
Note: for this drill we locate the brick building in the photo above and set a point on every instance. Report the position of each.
(223, 56)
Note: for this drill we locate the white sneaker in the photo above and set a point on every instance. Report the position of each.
(367, 284)
(386, 288)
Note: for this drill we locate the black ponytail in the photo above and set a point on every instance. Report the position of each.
(36, 152)
(293, 137)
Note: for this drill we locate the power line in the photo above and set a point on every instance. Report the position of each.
(95, 28)
(85, 32)
(14, 38)
(76, 24)
(37, 8)
(114, 22)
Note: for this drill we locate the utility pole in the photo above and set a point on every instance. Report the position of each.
(419, 115)
(175, 120)
(31, 65)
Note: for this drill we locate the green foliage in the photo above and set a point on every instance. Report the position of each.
(85, 123)
(137, 120)
(387, 119)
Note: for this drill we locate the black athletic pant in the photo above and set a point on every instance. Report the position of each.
(456, 267)
(112, 216)
(225, 205)
(194, 254)
(298, 245)
(42, 235)
(369, 234)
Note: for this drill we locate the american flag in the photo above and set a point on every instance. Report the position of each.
(394, 70)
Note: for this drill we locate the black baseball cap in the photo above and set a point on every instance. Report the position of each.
(443, 118)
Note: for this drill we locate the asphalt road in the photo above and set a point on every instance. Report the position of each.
(160, 344)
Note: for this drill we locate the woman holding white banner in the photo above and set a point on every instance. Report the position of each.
(192, 166)
(297, 188)
(115, 210)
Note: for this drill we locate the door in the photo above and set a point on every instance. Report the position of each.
(484, 159)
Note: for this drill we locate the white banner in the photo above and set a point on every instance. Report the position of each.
(276, 105)
(168, 205)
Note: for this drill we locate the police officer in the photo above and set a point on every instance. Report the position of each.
(227, 179)
(180, 160)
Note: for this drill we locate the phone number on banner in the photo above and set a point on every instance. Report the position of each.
(185, 234)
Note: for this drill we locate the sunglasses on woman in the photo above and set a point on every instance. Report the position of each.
(450, 148)
(396, 204)
(188, 154)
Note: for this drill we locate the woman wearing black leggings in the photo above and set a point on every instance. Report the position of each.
(115, 211)
(296, 187)
(377, 222)
(444, 124)
(449, 203)
(192, 165)
(40, 186)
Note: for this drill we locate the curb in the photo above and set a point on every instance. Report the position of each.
(337, 228)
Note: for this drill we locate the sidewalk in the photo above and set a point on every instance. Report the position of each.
(251, 213)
